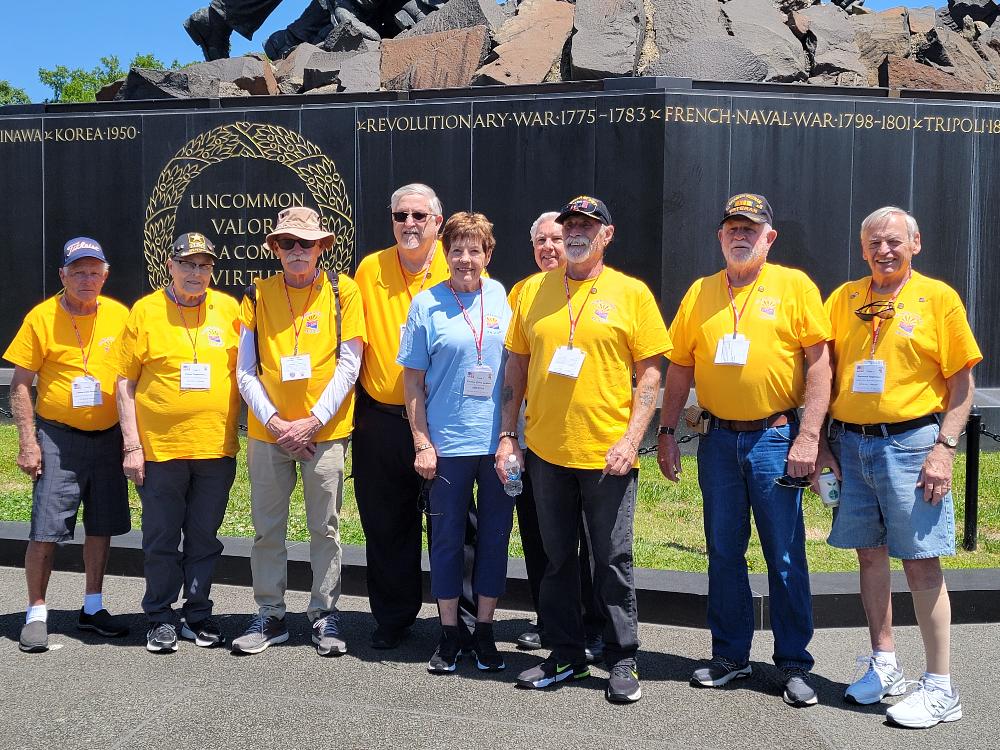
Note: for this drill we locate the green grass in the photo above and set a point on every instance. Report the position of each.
(668, 520)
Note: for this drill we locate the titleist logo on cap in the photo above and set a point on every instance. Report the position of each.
(80, 245)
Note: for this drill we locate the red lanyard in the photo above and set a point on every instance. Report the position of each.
(297, 319)
(478, 338)
(84, 355)
(192, 339)
(427, 270)
(569, 305)
(877, 326)
(732, 299)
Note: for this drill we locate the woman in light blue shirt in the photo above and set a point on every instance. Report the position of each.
(453, 357)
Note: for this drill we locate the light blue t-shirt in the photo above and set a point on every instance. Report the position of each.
(439, 341)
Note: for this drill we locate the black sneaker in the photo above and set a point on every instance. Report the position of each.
(488, 659)
(530, 639)
(448, 652)
(384, 639)
(103, 623)
(623, 682)
(204, 633)
(594, 650)
(327, 636)
(161, 638)
(719, 672)
(262, 632)
(798, 692)
(549, 672)
(34, 637)
(209, 30)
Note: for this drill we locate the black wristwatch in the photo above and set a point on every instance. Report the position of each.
(663, 430)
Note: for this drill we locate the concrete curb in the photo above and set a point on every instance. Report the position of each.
(665, 597)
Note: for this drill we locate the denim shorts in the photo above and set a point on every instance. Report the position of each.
(880, 503)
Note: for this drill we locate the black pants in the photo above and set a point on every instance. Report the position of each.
(386, 487)
(609, 509)
(535, 561)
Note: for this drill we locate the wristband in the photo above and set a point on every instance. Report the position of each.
(512, 435)
(422, 447)
(664, 430)
(131, 449)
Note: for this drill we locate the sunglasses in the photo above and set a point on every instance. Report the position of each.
(424, 498)
(288, 244)
(418, 216)
(798, 483)
(884, 309)
(188, 267)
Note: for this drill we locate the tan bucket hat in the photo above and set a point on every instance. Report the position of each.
(301, 222)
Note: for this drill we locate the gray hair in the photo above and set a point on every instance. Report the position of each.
(547, 216)
(418, 188)
(880, 215)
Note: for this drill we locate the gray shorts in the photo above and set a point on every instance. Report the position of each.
(79, 466)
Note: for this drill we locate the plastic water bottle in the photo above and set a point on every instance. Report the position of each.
(513, 486)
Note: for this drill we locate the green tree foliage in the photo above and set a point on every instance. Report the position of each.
(79, 85)
(12, 95)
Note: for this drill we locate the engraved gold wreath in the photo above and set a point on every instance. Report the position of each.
(246, 140)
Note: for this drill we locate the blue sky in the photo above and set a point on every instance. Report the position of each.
(77, 33)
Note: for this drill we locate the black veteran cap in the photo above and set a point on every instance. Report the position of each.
(749, 206)
(192, 243)
(584, 204)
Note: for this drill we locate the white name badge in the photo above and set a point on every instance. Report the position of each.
(869, 376)
(732, 350)
(479, 381)
(567, 362)
(86, 391)
(195, 376)
(298, 367)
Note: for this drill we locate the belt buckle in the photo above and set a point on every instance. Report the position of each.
(874, 430)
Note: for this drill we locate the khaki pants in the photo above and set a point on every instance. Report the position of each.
(272, 479)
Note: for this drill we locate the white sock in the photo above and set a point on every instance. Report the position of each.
(37, 613)
(938, 681)
(93, 603)
(886, 657)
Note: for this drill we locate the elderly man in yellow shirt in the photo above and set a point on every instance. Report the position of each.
(753, 339)
(578, 336)
(300, 351)
(69, 439)
(903, 355)
(179, 405)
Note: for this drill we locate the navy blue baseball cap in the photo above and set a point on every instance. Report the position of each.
(82, 247)
(584, 204)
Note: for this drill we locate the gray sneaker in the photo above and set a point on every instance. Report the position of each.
(798, 692)
(720, 671)
(34, 637)
(262, 632)
(205, 633)
(161, 638)
(326, 635)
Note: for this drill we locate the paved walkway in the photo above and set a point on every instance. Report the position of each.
(90, 693)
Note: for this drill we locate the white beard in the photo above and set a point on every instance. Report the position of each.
(578, 253)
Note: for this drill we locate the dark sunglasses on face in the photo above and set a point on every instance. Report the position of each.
(418, 216)
(796, 482)
(884, 309)
(287, 244)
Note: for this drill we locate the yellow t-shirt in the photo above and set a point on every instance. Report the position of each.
(388, 289)
(573, 422)
(927, 341)
(515, 291)
(314, 317)
(175, 423)
(783, 315)
(47, 344)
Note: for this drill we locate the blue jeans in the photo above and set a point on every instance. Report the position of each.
(736, 471)
(451, 495)
(880, 503)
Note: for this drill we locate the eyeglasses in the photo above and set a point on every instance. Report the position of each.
(418, 216)
(884, 309)
(798, 483)
(287, 244)
(188, 267)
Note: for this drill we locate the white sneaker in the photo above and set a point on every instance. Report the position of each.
(881, 679)
(925, 707)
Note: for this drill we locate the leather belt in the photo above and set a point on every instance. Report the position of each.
(752, 425)
(886, 429)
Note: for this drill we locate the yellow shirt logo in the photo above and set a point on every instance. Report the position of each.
(602, 311)
(907, 322)
(312, 322)
(214, 336)
(106, 343)
(768, 307)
